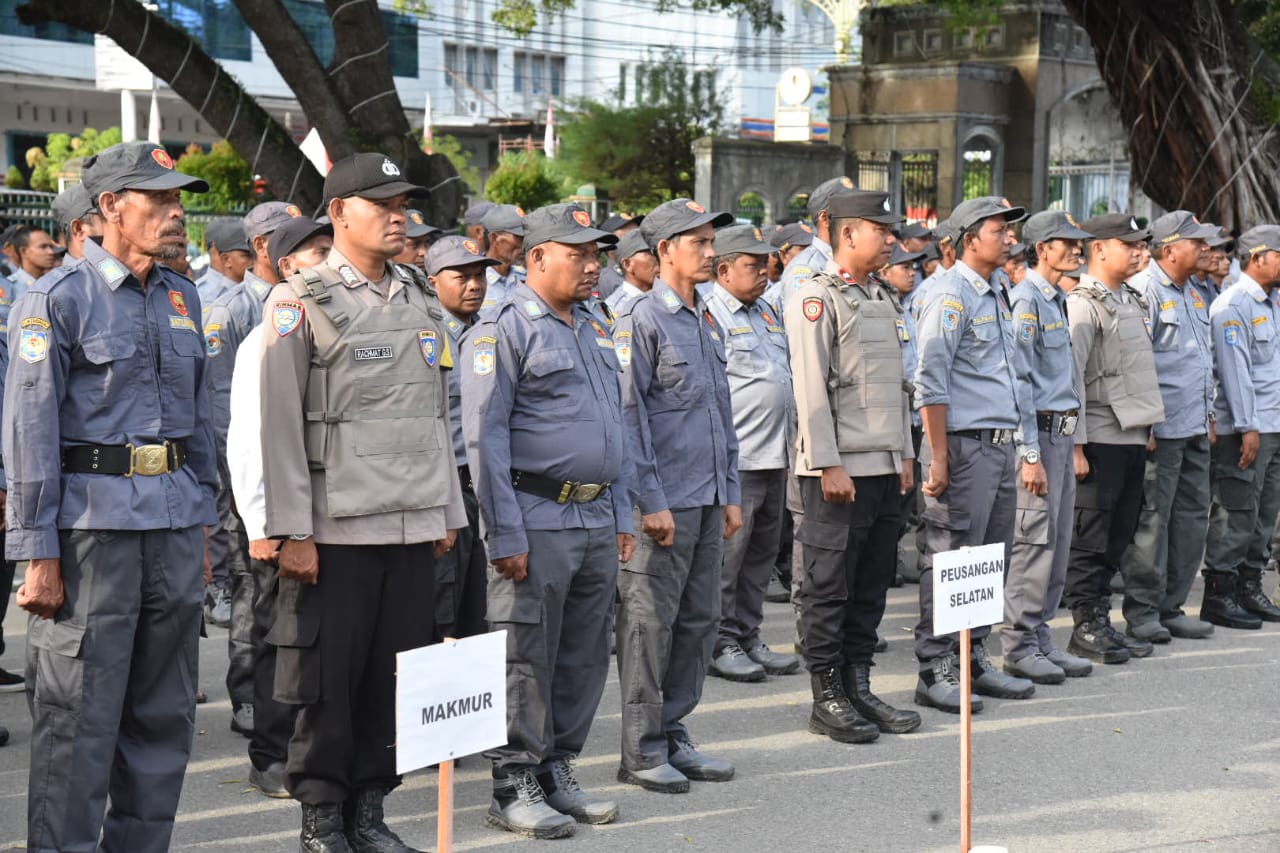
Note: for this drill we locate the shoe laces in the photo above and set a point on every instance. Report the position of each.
(527, 787)
(562, 772)
(982, 659)
(733, 650)
(684, 743)
(944, 672)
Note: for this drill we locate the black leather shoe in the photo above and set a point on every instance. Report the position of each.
(322, 829)
(366, 828)
(1091, 637)
(1220, 606)
(833, 714)
(857, 686)
(1249, 594)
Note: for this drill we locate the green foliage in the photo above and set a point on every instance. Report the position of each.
(48, 163)
(521, 16)
(459, 158)
(13, 179)
(523, 178)
(228, 175)
(643, 155)
(1262, 19)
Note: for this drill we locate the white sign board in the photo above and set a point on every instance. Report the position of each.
(792, 124)
(115, 69)
(968, 588)
(451, 700)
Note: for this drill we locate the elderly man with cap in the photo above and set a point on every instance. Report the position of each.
(418, 237)
(473, 220)
(1213, 275)
(503, 233)
(1115, 375)
(1037, 569)
(815, 258)
(295, 244)
(1161, 566)
(853, 463)
(230, 256)
(680, 432)
(110, 460)
(970, 399)
(1246, 457)
(639, 268)
(78, 220)
(362, 489)
(763, 416)
(557, 515)
(612, 275)
(456, 270)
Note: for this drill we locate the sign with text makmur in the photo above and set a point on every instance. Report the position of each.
(968, 588)
(451, 700)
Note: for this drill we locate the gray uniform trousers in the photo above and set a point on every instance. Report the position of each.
(668, 613)
(115, 692)
(1161, 564)
(749, 557)
(220, 544)
(1240, 530)
(1037, 571)
(240, 636)
(557, 624)
(978, 508)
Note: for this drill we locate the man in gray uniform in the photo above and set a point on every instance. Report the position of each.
(1162, 563)
(503, 233)
(456, 267)
(78, 219)
(680, 432)
(1037, 569)
(1246, 458)
(763, 414)
(814, 259)
(853, 463)
(787, 241)
(229, 256)
(612, 275)
(970, 399)
(473, 220)
(1115, 373)
(557, 515)
(639, 268)
(361, 487)
(418, 237)
(110, 460)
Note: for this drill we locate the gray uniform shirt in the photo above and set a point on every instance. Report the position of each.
(1043, 353)
(1184, 356)
(807, 263)
(1245, 338)
(458, 331)
(230, 319)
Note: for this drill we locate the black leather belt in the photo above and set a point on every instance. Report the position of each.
(992, 436)
(464, 476)
(559, 491)
(1062, 423)
(146, 460)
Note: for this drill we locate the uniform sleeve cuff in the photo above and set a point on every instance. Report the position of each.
(32, 545)
(651, 502)
(508, 544)
(933, 400)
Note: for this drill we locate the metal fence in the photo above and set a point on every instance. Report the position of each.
(27, 207)
(918, 190)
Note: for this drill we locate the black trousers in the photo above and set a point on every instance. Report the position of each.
(272, 721)
(850, 556)
(337, 646)
(461, 578)
(1108, 503)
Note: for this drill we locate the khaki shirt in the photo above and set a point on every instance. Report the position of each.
(296, 502)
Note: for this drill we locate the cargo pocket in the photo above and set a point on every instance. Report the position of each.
(59, 669)
(823, 545)
(946, 528)
(1092, 521)
(1032, 527)
(1236, 491)
(294, 634)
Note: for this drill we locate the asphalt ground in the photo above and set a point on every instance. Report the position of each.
(1177, 752)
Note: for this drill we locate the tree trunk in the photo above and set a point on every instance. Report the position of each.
(1189, 82)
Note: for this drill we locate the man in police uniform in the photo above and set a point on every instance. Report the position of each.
(969, 397)
(853, 462)
(456, 269)
(1246, 458)
(419, 235)
(230, 255)
(110, 461)
(473, 220)
(361, 486)
(1115, 373)
(1046, 450)
(77, 218)
(812, 260)
(639, 268)
(612, 274)
(787, 241)
(503, 233)
(557, 515)
(1162, 563)
(763, 414)
(680, 432)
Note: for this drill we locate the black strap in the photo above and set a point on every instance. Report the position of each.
(112, 458)
(544, 487)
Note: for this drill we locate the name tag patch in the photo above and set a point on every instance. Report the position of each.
(181, 322)
(373, 353)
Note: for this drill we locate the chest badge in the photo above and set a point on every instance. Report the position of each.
(285, 317)
(429, 343)
(178, 302)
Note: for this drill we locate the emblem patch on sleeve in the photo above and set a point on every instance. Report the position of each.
(33, 347)
(485, 356)
(429, 343)
(285, 317)
(1231, 335)
(212, 339)
(1027, 331)
(950, 319)
(812, 308)
(903, 335)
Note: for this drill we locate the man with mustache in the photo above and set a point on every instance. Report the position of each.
(110, 459)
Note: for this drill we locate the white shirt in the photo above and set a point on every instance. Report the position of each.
(244, 437)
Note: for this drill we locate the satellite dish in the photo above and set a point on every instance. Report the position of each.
(795, 86)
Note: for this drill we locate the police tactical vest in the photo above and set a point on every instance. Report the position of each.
(1121, 372)
(376, 407)
(866, 380)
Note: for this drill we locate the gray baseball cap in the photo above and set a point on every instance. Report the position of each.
(1260, 238)
(969, 213)
(678, 216)
(1052, 225)
(563, 223)
(794, 234)
(474, 214)
(227, 235)
(1180, 225)
(945, 232)
(135, 166)
(504, 218)
(286, 239)
(632, 243)
(822, 193)
(455, 251)
(417, 225)
(267, 217)
(71, 204)
(902, 256)
(744, 239)
(914, 230)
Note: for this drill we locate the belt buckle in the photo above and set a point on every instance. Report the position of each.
(149, 460)
(585, 492)
(1068, 424)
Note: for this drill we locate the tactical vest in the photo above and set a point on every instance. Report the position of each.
(377, 413)
(1121, 372)
(865, 380)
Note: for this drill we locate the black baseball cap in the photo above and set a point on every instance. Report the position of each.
(632, 243)
(563, 223)
(417, 225)
(455, 251)
(969, 213)
(678, 216)
(71, 204)
(913, 231)
(902, 256)
(135, 166)
(227, 235)
(863, 204)
(1052, 225)
(794, 234)
(1180, 225)
(822, 194)
(265, 218)
(286, 239)
(368, 175)
(614, 221)
(508, 218)
(1116, 226)
(745, 239)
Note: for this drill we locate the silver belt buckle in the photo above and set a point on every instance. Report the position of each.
(586, 492)
(1067, 425)
(1001, 436)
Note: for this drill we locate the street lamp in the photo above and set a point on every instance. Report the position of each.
(844, 14)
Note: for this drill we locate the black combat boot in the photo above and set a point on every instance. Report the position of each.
(1249, 594)
(833, 714)
(365, 828)
(322, 829)
(857, 686)
(1220, 606)
(1092, 638)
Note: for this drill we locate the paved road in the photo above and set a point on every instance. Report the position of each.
(1179, 752)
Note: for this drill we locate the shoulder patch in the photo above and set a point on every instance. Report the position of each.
(485, 356)
(429, 344)
(813, 308)
(1230, 334)
(35, 323)
(950, 318)
(951, 303)
(1027, 330)
(286, 316)
(33, 346)
(213, 339)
